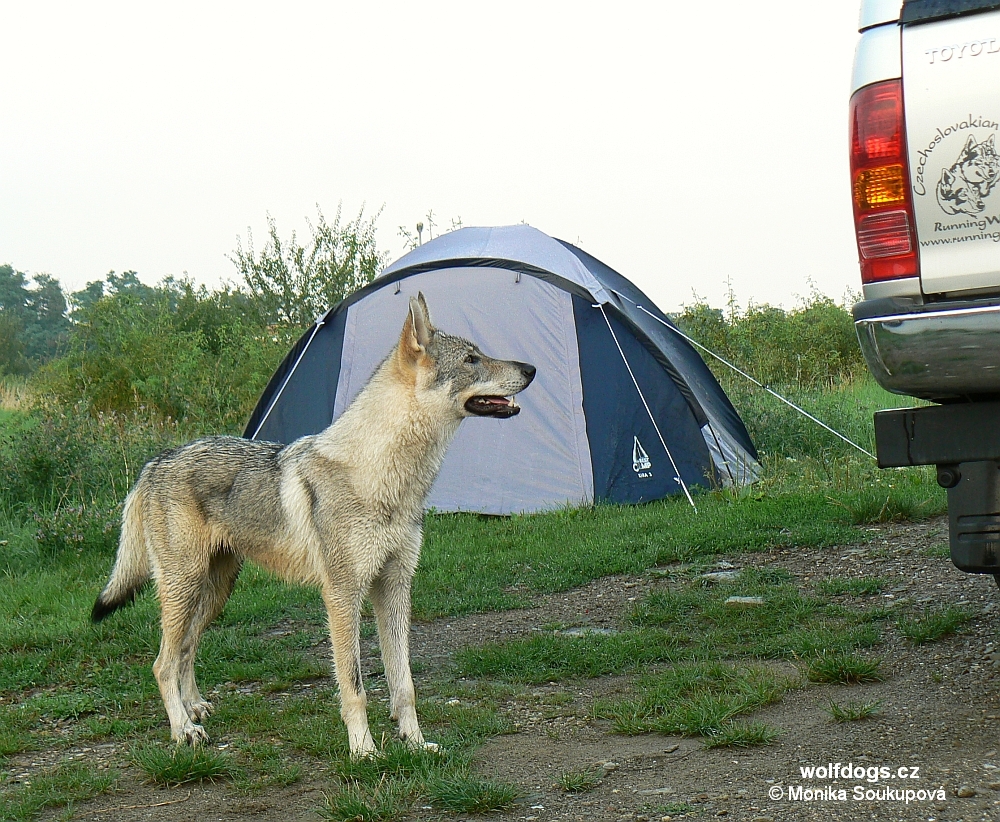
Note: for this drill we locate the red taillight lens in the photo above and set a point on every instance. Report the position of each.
(880, 179)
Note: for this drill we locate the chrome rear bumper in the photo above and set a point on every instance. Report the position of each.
(935, 351)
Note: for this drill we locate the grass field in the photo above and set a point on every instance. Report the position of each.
(65, 682)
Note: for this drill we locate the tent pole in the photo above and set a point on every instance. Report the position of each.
(319, 324)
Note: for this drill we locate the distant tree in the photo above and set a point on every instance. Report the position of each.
(173, 349)
(128, 287)
(33, 323)
(83, 300)
(12, 359)
(292, 284)
(13, 290)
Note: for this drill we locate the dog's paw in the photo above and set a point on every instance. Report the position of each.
(199, 711)
(366, 754)
(364, 748)
(421, 744)
(191, 734)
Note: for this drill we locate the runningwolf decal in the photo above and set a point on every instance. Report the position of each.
(342, 510)
(965, 185)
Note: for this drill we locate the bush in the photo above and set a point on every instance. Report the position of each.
(56, 457)
(76, 528)
(181, 354)
(813, 345)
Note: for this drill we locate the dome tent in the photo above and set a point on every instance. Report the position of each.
(622, 409)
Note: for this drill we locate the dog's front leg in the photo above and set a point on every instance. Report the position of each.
(343, 607)
(390, 596)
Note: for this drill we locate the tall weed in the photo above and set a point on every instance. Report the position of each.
(54, 457)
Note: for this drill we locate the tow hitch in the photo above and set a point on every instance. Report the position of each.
(963, 441)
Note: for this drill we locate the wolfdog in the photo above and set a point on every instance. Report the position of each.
(342, 510)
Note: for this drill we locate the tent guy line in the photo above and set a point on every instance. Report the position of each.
(756, 382)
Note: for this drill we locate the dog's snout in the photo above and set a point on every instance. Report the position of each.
(528, 370)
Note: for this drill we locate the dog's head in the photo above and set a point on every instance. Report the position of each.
(956, 195)
(475, 384)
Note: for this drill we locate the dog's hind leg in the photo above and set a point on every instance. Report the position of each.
(390, 596)
(216, 589)
(343, 606)
(181, 590)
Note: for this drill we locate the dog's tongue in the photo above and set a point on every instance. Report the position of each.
(498, 401)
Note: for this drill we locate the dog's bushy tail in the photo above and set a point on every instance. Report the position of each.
(132, 569)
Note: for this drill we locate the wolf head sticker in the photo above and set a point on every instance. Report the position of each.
(965, 185)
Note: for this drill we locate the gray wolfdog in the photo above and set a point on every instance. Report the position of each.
(342, 509)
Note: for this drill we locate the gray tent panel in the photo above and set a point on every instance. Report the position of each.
(542, 456)
(512, 244)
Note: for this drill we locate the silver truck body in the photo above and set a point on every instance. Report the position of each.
(937, 336)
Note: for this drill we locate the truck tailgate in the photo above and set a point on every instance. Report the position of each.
(951, 96)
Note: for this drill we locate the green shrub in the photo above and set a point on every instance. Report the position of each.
(66, 456)
(77, 528)
(813, 345)
(191, 357)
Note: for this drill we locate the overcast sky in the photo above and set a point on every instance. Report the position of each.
(681, 143)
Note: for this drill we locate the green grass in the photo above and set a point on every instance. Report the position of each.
(462, 792)
(687, 622)
(547, 657)
(852, 586)
(180, 764)
(357, 804)
(741, 735)
(853, 711)
(934, 624)
(385, 786)
(844, 669)
(579, 781)
(59, 787)
(693, 699)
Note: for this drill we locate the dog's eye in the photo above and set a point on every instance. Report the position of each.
(472, 359)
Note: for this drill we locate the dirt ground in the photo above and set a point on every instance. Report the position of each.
(939, 719)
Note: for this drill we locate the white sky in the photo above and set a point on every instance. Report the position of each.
(681, 143)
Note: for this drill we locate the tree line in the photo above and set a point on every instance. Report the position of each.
(176, 348)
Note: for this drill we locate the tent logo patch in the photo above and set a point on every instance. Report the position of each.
(640, 459)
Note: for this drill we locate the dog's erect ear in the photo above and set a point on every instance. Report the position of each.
(426, 310)
(417, 329)
(423, 328)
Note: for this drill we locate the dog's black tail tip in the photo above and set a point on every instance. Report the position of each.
(104, 608)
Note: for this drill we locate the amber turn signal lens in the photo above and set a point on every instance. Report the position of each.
(881, 186)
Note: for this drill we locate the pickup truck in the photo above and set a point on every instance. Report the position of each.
(925, 176)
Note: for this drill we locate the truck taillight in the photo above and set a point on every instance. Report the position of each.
(880, 178)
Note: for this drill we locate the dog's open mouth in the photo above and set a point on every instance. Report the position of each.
(502, 407)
